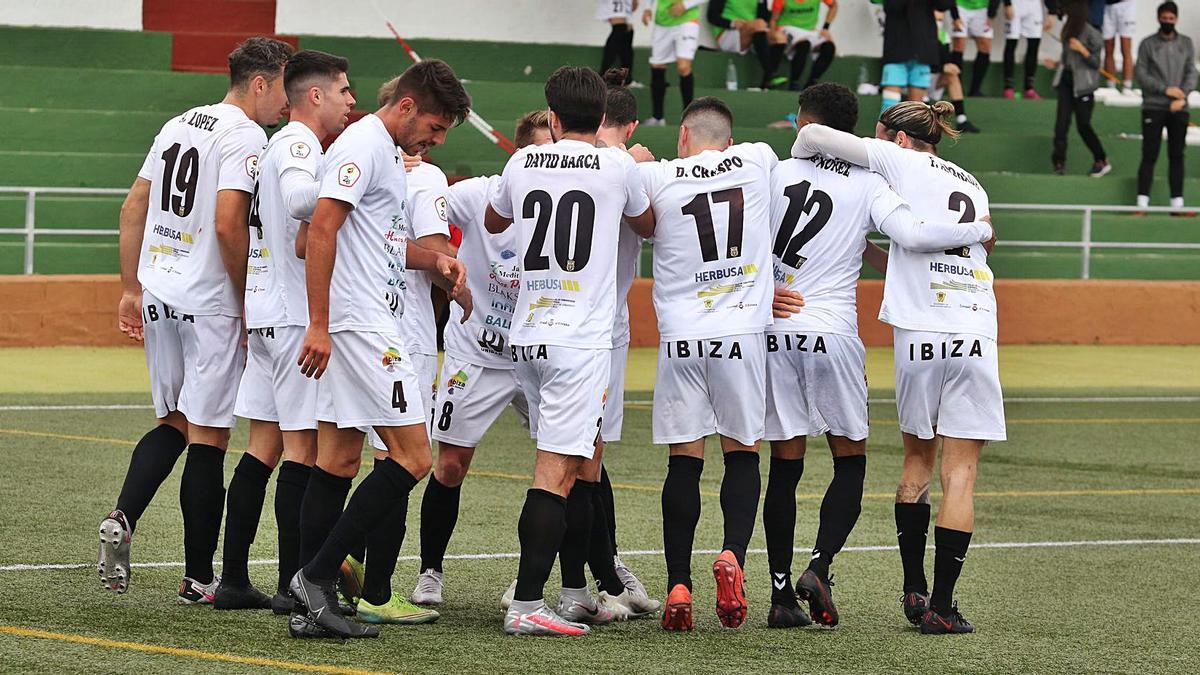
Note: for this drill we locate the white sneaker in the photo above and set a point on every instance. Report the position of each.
(628, 606)
(634, 84)
(627, 578)
(535, 618)
(655, 122)
(578, 606)
(429, 588)
(506, 600)
(192, 592)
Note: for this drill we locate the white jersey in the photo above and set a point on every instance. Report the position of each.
(493, 275)
(276, 294)
(427, 213)
(946, 292)
(567, 200)
(629, 249)
(363, 169)
(195, 156)
(712, 242)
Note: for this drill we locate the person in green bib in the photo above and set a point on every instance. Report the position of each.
(739, 25)
(675, 39)
(797, 20)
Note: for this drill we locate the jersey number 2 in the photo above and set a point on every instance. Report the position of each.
(575, 215)
(184, 179)
(960, 202)
(802, 201)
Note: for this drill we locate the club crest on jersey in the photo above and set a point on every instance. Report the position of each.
(391, 357)
(440, 206)
(300, 150)
(940, 296)
(252, 165)
(348, 174)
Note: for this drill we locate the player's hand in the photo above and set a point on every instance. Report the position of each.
(988, 22)
(826, 35)
(786, 303)
(1178, 104)
(676, 8)
(1008, 12)
(464, 300)
(646, 17)
(129, 316)
(958, 25)
(1077, 46)
(314, 354)
(1048, 24)
(410, 161)
(991, 242)
(454, 271)
(1175, 92)
(641, 153)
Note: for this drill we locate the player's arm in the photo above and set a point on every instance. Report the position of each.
(875, 256)
(831, 14)
(815, 139)
(447, 272)
(320, 254)
(133, 228)
(302, 239)
(233, 235)
(499, 213)
(904, 228)
(786, 303)
(715, 9)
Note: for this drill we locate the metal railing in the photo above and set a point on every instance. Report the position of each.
(30, 231)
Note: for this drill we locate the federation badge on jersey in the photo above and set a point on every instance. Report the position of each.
(348, 174)
(251, 165)
(442, 208)
(300, 150)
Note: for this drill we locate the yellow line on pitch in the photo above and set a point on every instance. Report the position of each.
(177, 651)
(89, 439)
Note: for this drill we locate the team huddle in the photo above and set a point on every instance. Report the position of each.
(292, 287)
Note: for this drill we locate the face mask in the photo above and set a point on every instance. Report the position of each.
(1166, 28)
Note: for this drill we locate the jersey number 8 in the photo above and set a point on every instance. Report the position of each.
(575, 215)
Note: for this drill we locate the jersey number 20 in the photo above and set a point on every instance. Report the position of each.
(575, 215)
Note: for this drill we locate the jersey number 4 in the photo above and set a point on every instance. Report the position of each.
(574, 218)
(802, 201)
(184, 179)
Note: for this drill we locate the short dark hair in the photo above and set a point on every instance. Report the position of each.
(831, 104)
(577, 95)
(307, 65)
(621, 108)
(434, 87)
(1167, 6)
(713, 110)
(528, 124)
(257, 56)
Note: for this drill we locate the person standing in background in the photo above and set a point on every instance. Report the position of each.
(910, 48)
(1120, 20)
(1026, 19)
(1166, 71)
(973, 19)
(1076, 81)
(618, 48)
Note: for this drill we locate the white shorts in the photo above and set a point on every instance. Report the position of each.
(797, 35)
(370, 382)
(1027, 20)
(565, 390)
(671, 43)
(715, 385)
(1120, 20)
(614, 9)
(425, 366)
(470, 399)
(948, 384)
(730, 40)
(273, 389)
(195, 363)
(816, 384)
(614, 396)
(974, 22)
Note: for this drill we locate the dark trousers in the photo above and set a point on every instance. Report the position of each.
(1081, 108)
(1176, 124)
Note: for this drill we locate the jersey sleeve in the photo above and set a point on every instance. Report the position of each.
(466, 199)
(636, 198)
(349, 172)
(429, 206)
(239, 150)
(769, 158)
(884, 199)
(300, 155)
(147, 170)
(887, 159)
(499, 196)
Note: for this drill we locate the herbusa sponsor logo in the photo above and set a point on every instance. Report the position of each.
(172, 233)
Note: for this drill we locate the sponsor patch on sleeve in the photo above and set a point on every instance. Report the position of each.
(300, 150)
(348, 174)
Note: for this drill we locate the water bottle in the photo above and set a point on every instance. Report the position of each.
(863, 76)
(731, 83)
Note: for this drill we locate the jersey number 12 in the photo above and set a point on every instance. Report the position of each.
(802, 200)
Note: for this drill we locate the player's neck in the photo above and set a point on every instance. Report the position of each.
(244, 101)
(310, 121)
(583, 137)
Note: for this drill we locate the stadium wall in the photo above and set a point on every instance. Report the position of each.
(112, 14)
(43, 311)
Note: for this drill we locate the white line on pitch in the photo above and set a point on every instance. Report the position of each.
(656, 552)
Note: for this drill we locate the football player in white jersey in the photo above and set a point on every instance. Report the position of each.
(478, 377)
(277, 399)
(357, 253)
(183, 272)
(567, 200)
(822, 210)
(712, 295)
(943, 312)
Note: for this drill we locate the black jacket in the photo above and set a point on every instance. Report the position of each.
(910, 31)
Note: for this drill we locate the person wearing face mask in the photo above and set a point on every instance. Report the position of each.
(1166, 71)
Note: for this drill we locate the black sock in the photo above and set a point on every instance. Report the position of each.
(799, 59)
(912, 529)
(359, 550)
(950, 552)
(600, 553)
(371, 507)
(982, 59)
(762, 51)
(779, 524)
(739, 501)
(605, 494)
(383, 543)
(153, 458)
(243, 506)
(681, 513)
(573, 553)
(658, 92)
(1010, 62)
(839, 510)
(1032, 45)
(540, 531)
(289, 495)
(439, 513)
(202, 500)
(610, 55)
(825, 55)
(960, 107)
(626, 52)
(324, 498)
(774, 56)
(687, 88)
